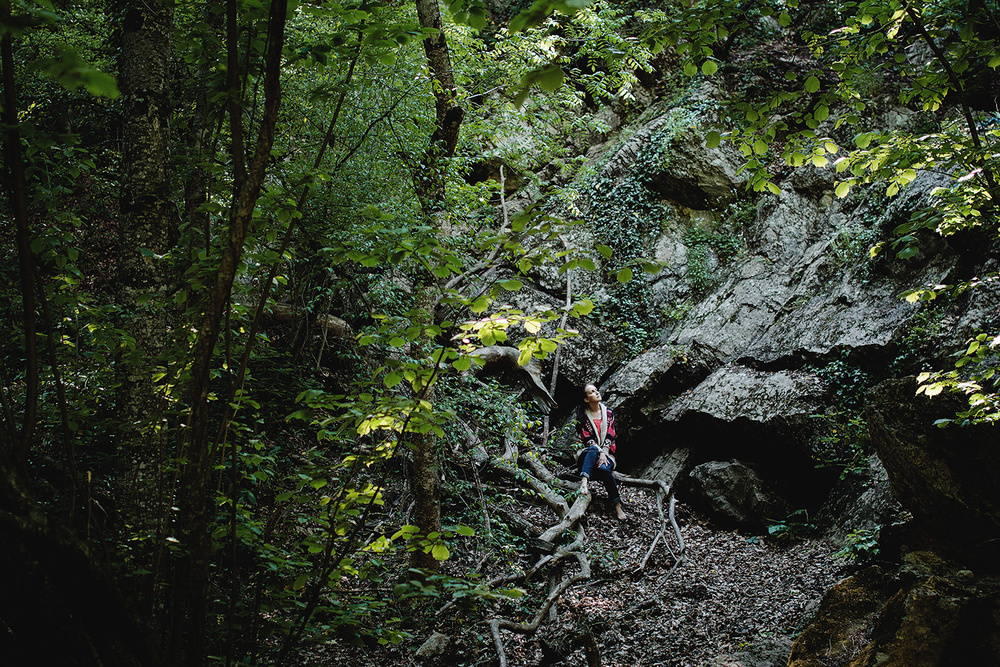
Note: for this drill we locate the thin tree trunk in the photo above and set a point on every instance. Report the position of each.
(18, 201)
(193, 591)
(429, 184)
(147, 231)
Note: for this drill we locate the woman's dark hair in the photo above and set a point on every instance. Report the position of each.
(581, 409)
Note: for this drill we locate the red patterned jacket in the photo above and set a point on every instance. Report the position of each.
(590, 436)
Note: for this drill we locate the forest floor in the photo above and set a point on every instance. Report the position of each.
(736, 601)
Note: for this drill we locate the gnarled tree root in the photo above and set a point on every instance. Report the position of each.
(532, 473)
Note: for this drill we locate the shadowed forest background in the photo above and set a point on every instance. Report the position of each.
(301, 297)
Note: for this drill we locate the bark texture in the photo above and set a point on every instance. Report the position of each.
(148, 230)
(429, 183)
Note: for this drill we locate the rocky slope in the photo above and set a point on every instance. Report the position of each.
(771, 322)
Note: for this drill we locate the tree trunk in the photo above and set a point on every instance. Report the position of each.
(429, 184)
(192, 592)
(18, 202)
(147, 231)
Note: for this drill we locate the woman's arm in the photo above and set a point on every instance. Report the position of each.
(585, 430)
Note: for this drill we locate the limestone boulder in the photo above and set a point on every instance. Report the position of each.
(737, 393)
(840, 629)
(947, 477)
(860, 502)
(930, 613)
(735, 494)
(696, 176)
(646, 384)
(735, 316)
(791, 223)
(831, 309)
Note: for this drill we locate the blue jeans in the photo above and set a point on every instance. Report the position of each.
(590, 468)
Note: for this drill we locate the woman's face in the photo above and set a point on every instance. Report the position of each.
(591, 395)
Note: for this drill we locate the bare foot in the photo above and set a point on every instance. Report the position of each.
(583, 487)
(620, 513)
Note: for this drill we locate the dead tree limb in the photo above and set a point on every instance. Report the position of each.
(663, 491)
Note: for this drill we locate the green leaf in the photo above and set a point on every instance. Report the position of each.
(709, 67)
(440, 552)
(480, 305)
(550, 78)
(625, 275)
(843, 188)
(511, 285)
(604, 250)
(462, 363)
(713, 139)
(812, 84)
(582, 308)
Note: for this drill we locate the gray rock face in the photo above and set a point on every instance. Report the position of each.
(650, 381)
(948, 478)
(732, 318)
(736, 494)
(695, 176)
(726, 380)
(808, 286)
(860, 503)
(738, 393)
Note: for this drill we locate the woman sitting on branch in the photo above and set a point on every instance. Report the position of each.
(595, 424)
